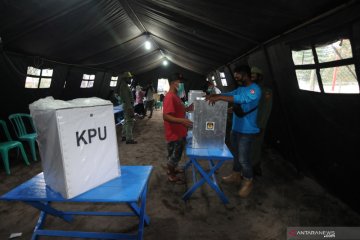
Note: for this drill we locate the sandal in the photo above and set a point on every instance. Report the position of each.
(177, 170)
(175, 179)
(131, 142)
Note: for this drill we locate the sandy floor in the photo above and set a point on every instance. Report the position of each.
(279, 200)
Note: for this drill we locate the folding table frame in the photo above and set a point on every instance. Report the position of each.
(216, 158)
(130, 188)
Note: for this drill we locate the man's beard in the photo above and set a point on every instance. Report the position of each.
(240, 82)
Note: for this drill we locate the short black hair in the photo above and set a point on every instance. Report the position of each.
(175, 76)
(243, 69)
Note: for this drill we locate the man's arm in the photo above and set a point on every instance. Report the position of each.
(184, 121)
(212, 98)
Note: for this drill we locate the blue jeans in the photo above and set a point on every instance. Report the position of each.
(241, 144)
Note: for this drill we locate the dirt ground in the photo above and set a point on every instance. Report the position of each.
(279, 200)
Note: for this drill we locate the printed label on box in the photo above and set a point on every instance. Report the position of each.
(210, 126)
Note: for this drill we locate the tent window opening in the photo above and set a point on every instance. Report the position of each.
(163, 85)
(114, 81)
(223, 79)
(328, 68)
(38, 78)
(307, 80)
(213, 80)
(88, 81)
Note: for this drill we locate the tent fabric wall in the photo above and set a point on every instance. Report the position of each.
(317, 132)
(14, 68)
(192, 80)
(323, 128)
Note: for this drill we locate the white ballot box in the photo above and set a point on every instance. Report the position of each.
(77, 143)
(209, 127)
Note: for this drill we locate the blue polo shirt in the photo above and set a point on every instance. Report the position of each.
(248, 97)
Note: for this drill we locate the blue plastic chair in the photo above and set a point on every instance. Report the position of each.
(25, 130)
(5, 146)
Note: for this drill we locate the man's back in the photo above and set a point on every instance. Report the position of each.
(125, 94)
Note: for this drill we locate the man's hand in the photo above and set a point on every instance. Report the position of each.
(212, 98)
(186, 122)
(190, 108)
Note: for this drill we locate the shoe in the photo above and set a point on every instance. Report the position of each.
(246, 188)
(176, 179)
(171, 172)
(234, 178)
(177, 171)
(131, 142)
(123, 139)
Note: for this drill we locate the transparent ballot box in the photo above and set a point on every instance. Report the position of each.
(77, 143)
(209, 127)
(193, 95)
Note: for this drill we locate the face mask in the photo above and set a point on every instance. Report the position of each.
(180, 90)
(128, 81)
(241, 81)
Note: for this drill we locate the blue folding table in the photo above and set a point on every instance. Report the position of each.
(216, 158)
(129, 188)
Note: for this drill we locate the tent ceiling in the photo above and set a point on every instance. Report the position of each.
(197, 35)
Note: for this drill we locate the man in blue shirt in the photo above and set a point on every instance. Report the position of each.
(245, 100)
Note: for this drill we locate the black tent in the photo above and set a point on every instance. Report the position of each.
(315, 130)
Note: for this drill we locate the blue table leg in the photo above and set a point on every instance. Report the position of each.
(211, 163)
(45, 207)
(194, 173)
(206, 178)
(39, 225)
(188, 163)
(142, 214)
(136, 210)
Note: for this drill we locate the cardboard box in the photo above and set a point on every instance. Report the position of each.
(77, 143)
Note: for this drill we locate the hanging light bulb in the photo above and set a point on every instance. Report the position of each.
(165, 62)
(147, 45)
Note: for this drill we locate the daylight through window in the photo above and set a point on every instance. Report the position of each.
(88, 81)
(38, 78)
(163, 85)
(328, 68)
(113, 81)
(223, 79)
